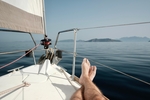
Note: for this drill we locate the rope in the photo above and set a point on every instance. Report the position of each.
(19, 57)
(12, 52)
(68, 78)
(114, 25)
(14, 88)
(3, 53)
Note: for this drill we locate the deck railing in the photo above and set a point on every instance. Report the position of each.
(74, 52)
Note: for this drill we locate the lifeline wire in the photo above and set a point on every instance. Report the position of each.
(115, 25)
(118, 71)
(140, 80)
(19, 57)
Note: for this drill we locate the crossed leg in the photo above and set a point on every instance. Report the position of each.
(88, 90)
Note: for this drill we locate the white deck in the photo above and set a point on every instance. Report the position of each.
(49, 84)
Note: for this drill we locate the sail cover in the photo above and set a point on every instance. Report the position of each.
(22, 15)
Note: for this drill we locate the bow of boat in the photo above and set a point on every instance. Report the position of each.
(40, 82)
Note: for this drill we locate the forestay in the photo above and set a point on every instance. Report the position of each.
(22, 15)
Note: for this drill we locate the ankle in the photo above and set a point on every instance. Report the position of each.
(85, 79)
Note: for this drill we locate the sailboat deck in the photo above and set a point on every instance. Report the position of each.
(46, 81)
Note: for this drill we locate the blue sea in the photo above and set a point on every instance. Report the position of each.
(132, 58)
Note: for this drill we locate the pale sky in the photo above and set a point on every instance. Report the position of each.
(67, 14)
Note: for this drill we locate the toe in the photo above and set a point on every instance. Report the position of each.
(88, 62)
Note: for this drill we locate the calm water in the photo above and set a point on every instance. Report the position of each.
(130, 58)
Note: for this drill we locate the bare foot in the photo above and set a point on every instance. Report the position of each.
(85, 70)
(85, 66)
(88, 71)
(92, 72)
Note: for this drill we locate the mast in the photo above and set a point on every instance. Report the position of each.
(46, 42)
(44, 19)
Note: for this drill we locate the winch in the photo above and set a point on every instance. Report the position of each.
(46, 42)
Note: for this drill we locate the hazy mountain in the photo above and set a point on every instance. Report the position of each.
(134, 39)
(123, 39)
(103, 40)
(80, 40)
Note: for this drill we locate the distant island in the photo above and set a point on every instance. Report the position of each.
(135, 39)
(123, 39)
(92, 40)
(103, 40)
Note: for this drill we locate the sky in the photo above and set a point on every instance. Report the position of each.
(68, 14)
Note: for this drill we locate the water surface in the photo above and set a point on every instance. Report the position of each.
(131, 58)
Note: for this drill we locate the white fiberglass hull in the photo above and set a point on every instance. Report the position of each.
(45, 82)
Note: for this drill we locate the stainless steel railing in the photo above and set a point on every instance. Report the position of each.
(74, 52)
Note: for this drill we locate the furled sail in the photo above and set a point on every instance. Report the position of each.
(22, 15)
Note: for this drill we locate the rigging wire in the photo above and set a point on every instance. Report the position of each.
(140, 80)
(117, 25)
(118, 71)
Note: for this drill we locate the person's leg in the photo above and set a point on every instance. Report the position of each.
(88, 90)
(91, 92)
(78, 95)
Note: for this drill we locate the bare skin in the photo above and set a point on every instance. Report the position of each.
(88, 90)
